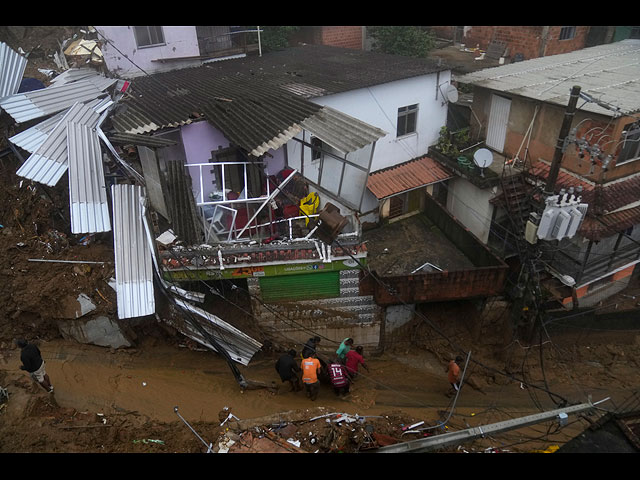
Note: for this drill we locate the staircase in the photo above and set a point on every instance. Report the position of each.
(350, 308)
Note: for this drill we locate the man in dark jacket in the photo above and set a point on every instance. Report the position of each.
(288, 369)
(33, 363)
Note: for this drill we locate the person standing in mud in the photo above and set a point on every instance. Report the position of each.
(310, 369)
(453, 372)
(344, 347)
(310, 347)
(289, 370)
(354, 359)
(33, 363)
(339, 377)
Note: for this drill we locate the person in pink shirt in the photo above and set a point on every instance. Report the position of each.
(354, 359)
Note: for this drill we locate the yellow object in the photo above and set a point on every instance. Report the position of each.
(550, 449)
(309, 205)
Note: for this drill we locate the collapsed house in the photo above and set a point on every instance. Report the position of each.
(248, 171)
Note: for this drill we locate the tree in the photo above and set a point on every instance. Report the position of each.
(276, 38)
(402, 40)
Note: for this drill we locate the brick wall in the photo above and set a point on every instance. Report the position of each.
(346, 37)
(526, 40)
(436, 287)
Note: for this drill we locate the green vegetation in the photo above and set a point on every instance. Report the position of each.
(402, 40)
(276, 38)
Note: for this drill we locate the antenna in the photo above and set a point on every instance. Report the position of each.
(483, 158)
(451, 94)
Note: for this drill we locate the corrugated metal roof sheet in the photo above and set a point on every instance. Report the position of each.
(240, 347)
(87, 190)
(12, 66)
(50, 161)
(32, 138)
(609, 73)
(73, 75)
(406, 176)
(53, 99)
(144, 140)
(343, 132)
(134, 271)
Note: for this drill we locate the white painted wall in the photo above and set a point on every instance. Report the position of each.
(180, 41)
(470, 205)
(378, 106)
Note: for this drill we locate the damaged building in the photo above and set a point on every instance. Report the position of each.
(278, 174)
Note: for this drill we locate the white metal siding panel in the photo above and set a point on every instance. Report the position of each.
(53, 99)
(498, 119)
(87, 190)
(12, 66)
(240, 347)
(134, 271)
(49, 163)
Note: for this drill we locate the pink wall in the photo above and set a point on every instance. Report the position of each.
(179, 42)
(199, 139)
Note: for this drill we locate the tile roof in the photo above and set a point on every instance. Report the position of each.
(407, 176)
(597, 228)
(607, 197)
(606, 214)
(609, 73)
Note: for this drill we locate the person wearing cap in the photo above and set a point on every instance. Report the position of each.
(33, 363)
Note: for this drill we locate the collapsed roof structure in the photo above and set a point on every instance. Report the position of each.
(72, 125)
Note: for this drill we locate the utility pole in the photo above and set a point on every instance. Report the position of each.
(457, 438)
(561, 144)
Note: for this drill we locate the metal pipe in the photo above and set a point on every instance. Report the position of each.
(209, 446)
(63, 261)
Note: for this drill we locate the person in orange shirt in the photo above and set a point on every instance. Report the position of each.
(454, 375)
(310, 368)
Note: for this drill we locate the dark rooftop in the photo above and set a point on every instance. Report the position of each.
(317, 70)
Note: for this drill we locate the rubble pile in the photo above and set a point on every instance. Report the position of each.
(305, 432)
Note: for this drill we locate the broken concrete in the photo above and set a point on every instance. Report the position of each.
(101, 331)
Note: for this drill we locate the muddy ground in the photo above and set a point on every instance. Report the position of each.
(123, 400)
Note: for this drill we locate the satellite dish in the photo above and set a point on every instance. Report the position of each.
(452, 94)
(483, 158)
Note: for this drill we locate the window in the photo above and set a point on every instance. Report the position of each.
(316, 148)
(407, 117)
(148, 36)
(567, 33)
(630, 148)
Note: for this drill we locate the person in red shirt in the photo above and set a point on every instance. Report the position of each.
(354, 359)
(310, 368)
(339, 378)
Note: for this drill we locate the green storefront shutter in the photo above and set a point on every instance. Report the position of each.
(300, 287)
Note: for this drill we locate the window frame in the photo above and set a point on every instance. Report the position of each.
(567, 33)
(632, 130)
(401, 122)
(317, 145)
(150, 45)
